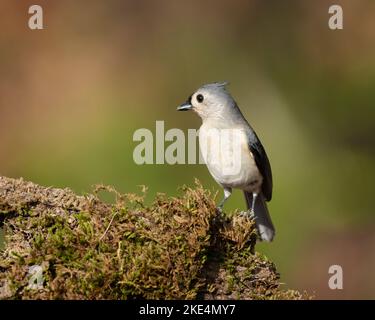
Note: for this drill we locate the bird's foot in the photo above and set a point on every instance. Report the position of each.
(219, 214)
(248, 214)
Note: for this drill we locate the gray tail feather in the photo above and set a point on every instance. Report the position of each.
(262, 216)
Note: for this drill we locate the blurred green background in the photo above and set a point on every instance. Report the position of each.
(72, 95)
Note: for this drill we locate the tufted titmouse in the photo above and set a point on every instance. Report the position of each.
(233, 153)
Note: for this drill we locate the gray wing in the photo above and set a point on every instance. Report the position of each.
(262, 163)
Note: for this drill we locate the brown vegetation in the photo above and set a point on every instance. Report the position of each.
(176, 248)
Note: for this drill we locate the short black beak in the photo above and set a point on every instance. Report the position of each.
(185, 106)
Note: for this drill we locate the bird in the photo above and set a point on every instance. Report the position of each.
(240, 150)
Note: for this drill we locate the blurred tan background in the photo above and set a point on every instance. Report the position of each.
(72, 95)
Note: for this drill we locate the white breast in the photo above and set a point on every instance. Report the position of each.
(228, 158)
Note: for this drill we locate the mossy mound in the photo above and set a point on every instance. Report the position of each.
(176, 248)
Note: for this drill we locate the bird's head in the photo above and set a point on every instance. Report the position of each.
(209, 101)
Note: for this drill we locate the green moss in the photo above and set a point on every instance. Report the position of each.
(176, 248)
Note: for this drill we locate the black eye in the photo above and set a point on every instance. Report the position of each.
(200, 98)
